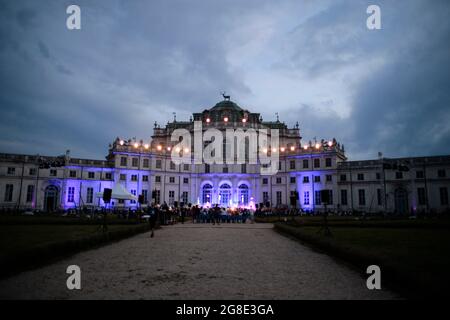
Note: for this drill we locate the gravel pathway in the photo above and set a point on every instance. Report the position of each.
(197, 261)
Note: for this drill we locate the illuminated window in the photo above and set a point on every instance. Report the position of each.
(206, 193)
(243, 194)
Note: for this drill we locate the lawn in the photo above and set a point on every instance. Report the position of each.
(418, 259)
(19, 238)
(25, 246)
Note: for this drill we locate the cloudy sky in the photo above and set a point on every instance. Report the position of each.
(135, 62)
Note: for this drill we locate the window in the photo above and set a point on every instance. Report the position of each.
(185, 197)
(171, 179)
(420, 174)
(9, 192)
(243, 168)
(279, 197)
(134, 162)
(145, 163)
(71, 194)
(225, 194)
(441, 173)
(243, 194)
(145, 178)
(186, 167)
(265, 181)
(30, 193)
(305, 179)
(123, 177)
(157, 196)
(292, 164)
(145, 195)
(278, 180)
(11, 170)
(329, 177)
(379, 198)
(206, 194)
(421, 196)
(399, 175)
(444, 196)
(186, 180)
(158, 164)
(91, 175)
(89, 195)
(316, 178)
(343, 177)
(265, 196)
(134, 177)
(316, 163)
(360, 176)
(305, 164)
(108, 176)
(133, 192)
(207, 168)
(279, 165)
(171, 197)
(73, 174)
(123, 161)
(327, 162)
(53, 173)
(362, 197)
(344, 197)
(32, 172)
(330, 197)
(157, 179)
(292, 180)
(225, 170)
(172, 165)
(378, 176)
(306, 197)
(318, 198)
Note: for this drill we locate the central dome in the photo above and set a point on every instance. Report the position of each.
(226, 105)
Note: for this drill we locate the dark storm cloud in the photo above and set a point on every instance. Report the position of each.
(136, 62)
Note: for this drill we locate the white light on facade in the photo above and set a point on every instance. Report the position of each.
(122, 142)
(136, 145)
(159, 148)
(225, 119)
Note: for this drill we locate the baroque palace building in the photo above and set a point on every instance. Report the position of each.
(400, 185)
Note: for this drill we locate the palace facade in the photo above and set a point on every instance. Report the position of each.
(400, 185)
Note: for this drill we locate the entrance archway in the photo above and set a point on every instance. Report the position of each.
(51, 198)
(224, 195)
(401, 201)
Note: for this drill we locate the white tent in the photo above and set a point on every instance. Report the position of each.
(120, 193)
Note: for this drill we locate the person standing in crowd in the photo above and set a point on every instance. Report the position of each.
(153, 215)
(183, 215)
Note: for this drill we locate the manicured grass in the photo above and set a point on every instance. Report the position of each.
(24, 247)
(18, 238)
(417, 259)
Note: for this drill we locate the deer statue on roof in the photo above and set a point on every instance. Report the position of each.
(225, 97)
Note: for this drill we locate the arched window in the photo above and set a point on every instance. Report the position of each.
(243, 194)
(206, 193)
(225, 195)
